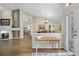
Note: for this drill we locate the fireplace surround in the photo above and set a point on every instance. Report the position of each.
(5, 35)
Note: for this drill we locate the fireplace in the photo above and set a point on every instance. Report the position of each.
(5, 35)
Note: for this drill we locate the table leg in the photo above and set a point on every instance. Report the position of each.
(55, 44)
(59, 47)
(36, 48)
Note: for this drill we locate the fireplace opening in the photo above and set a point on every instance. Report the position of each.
(5, 35)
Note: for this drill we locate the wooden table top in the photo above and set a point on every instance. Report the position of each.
(47, 39)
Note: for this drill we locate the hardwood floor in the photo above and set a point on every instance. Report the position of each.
(16, 47)
(21, 47)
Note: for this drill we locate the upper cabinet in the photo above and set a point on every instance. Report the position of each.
(16, 18)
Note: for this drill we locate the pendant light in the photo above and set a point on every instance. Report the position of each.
(45, 19)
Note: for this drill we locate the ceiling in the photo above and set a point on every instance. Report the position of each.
(50, 10)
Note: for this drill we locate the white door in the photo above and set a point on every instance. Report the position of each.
(70, 31)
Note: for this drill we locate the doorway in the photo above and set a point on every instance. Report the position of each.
(70, 27)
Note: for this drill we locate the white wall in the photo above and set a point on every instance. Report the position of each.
(0, 14)
(64, 25)
(7, 14)
(23, 22)
(37, 21)
(72, 7)
(75, 9)
(26, 20)
(76, 28)
(57, 20)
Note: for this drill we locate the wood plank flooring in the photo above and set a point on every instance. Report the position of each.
(22, 47)
(16, 47)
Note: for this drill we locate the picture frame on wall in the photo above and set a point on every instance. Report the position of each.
(5, 22)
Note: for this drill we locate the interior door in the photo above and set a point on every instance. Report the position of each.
(70, 31)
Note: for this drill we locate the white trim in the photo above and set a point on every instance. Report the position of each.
(69, 12)
(67, 33)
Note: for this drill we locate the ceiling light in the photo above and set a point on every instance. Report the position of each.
(68, 4)
(45, 20)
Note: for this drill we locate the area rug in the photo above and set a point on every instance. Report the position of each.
(52, 54)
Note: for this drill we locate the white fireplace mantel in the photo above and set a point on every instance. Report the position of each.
(6, 29)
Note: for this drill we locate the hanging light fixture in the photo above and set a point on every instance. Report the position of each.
(45, 20)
